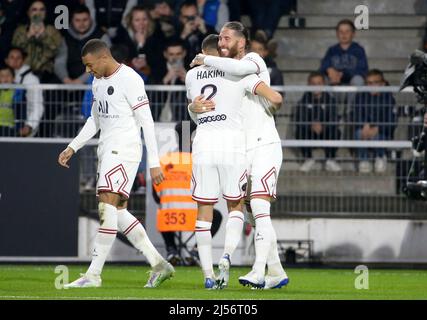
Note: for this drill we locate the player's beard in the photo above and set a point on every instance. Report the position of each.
(230, 52)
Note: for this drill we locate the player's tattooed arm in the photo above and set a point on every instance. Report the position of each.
(201, 106)
(274, 98)
(64, 156)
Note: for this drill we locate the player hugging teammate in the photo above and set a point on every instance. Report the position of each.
(236, 145)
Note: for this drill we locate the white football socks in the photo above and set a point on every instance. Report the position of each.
(233, 232)
(275, 267)
(136, 234)
(104, 239)
(204, 246)
(263, 234)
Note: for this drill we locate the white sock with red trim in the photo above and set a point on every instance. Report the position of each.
(204, 246)
(233, 232)
(104, 239)
(263, 234)
(136, 234)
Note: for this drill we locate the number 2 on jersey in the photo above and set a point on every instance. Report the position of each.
(214, 90)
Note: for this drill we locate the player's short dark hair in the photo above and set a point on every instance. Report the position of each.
(346, 22)
(80, 9)
(315, 74)
(6, 67)
(188, 3)
(22, 51)
(94, 46)
(240, 29)
(210, 42)
(175, 42)
(376, 72)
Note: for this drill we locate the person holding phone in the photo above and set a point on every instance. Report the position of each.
(144, 40)
(39, 41)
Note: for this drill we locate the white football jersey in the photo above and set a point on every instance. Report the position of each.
(114, 100)
(260, 127)
(220, 130)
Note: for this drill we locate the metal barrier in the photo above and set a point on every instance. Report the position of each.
(315, 123)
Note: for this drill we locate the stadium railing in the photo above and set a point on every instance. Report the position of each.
(314, 193)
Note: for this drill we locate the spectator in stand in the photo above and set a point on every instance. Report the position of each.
(145, 42)
(164, 17)
(172, 72)
(374, 115)
(109, 14)
(260, 45)
(265, 15)
(192, 29)
(68, 63)
(29, 106)
(39, 41)
(317, 119)
(10, 16)
(214, 12)
(7, 100)
(345, 63)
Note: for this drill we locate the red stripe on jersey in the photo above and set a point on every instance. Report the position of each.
(256, 86)
(117, 70)
(140, 105)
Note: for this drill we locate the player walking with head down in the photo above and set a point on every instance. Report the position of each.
(120, 108)
(264, 152)
(219, 155)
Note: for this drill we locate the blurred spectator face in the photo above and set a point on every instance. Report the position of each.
(162, 9)
(139, 21)
(375, 80)
(229, 43)
(345, 34)
(37, 11)
(259, 48)
(6, 76)
(316, 81)
(14, 59)
(189, 15)
(175, 55)
(81, 22)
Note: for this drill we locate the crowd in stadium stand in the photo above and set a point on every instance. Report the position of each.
(159, 38)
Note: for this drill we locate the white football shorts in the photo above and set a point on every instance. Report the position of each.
(116, 175)
(264, 164)
(215, 172)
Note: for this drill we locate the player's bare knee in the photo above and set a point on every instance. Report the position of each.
(123, 204)
(234, 205)
(205, 212)
(109, 198)
(266, 198)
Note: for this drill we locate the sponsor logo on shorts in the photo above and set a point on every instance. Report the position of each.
(218, 117)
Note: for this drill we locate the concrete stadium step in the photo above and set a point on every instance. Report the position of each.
(375, 21)
(341, 183)
(300, 78)
(289, 63)
(347, 7)
(311, 47)
(370, 34)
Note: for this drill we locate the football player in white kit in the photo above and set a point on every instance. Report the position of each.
(219, 155)
(264, 152)
(120, 108)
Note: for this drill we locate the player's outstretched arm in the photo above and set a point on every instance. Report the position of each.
(235, 67)
(274, 97)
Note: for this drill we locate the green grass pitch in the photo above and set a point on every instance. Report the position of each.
(127, 282)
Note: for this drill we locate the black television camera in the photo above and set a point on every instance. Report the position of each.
(416, 77)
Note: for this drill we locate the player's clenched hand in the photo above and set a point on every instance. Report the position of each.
(198, 60)
(201, 106)
(64, 156)
(156, 175)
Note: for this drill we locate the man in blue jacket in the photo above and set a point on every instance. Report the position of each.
(345, 63)
(375, 118)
